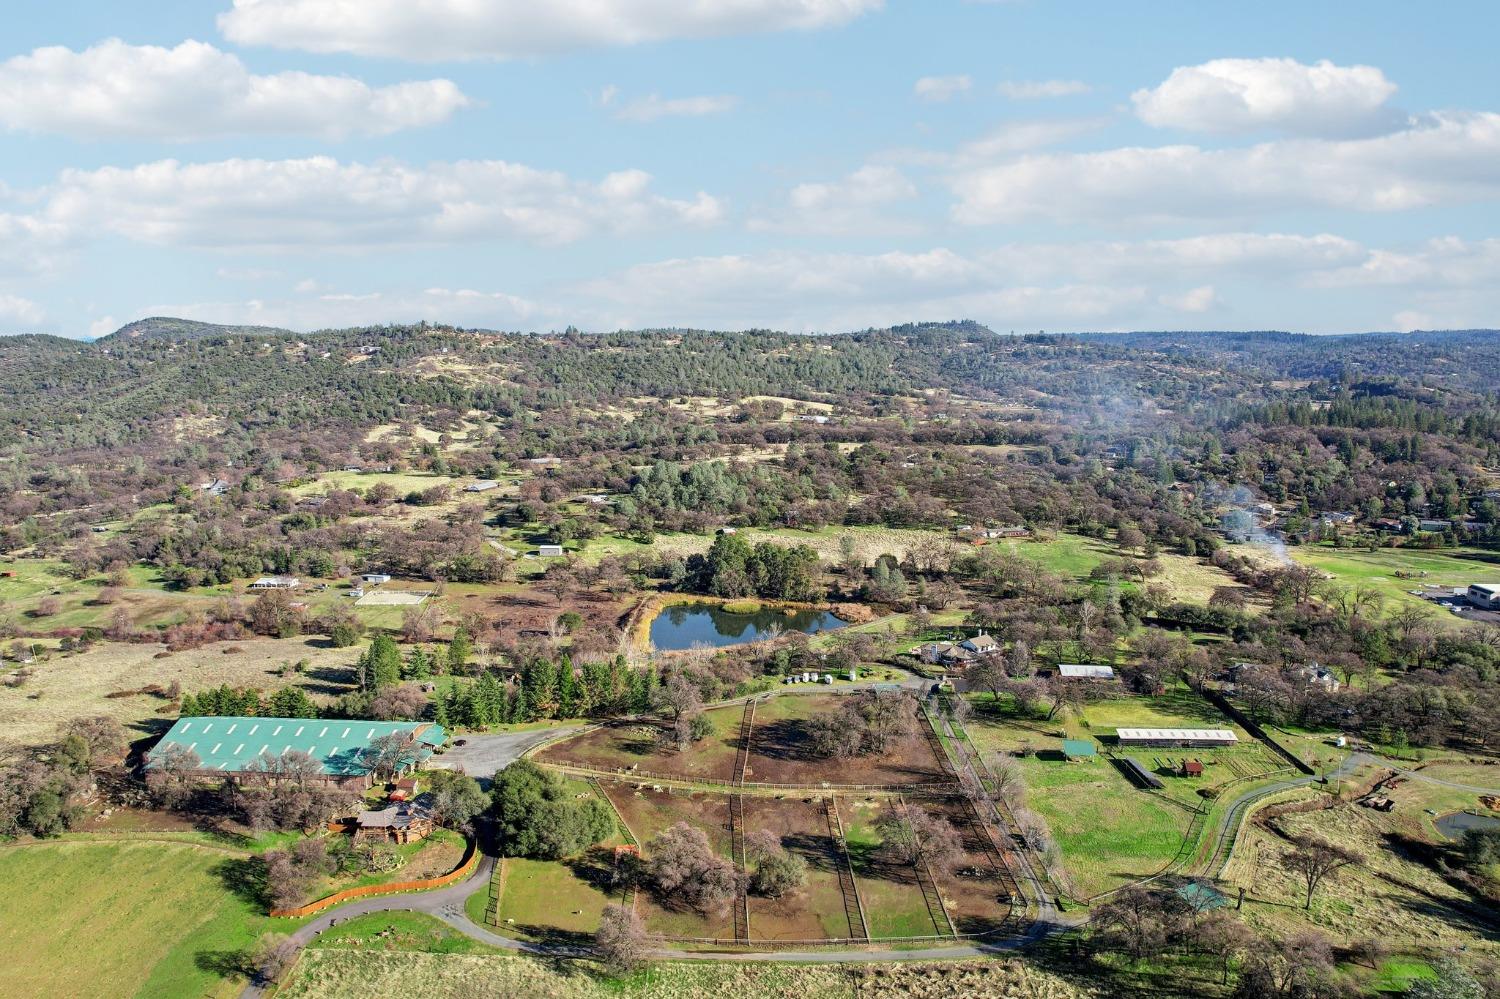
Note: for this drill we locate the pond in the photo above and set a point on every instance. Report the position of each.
(1455, 824)
(683, 626)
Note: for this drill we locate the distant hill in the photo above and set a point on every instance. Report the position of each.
(168, 328)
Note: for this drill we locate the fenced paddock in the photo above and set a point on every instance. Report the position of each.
(391, 598)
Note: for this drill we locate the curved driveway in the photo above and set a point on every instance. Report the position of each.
(492, 753)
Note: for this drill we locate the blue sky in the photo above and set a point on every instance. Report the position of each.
(812, 165)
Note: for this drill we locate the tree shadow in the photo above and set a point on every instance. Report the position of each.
(224, 963)
(245, 878)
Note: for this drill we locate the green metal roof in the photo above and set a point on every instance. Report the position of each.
(232, 743)
(1079, 747)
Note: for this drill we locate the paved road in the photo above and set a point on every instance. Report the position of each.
(447, 904)
(483, 755)
(486, 754)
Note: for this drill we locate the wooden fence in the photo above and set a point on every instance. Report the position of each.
(471, 860)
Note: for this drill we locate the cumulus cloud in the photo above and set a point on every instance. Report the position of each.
(508, 29)
(654, 106)
(196, 91)
(322, 203)
(854, 204)
(1032, 90)
(1244, 95)
(335, 310)
(937, 89)
(1199, 299)
(1444, 159)
(19, 313)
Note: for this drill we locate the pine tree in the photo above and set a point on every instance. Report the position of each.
(568, 693)
(418, 665)
(459, 650)
(380, 666)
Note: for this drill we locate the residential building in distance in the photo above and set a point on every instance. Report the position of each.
(1077, 671)
(1486, 595)
(375, 578)
(549, 551)
(276, 583)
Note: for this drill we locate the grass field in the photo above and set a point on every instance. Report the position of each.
(1449, 567)
(892, 901)
(134, 918)
(1109, 831)
(636, 745)
(78, 685)
(1398, 890)
(375, 966)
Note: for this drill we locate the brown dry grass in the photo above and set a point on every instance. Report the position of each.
(76, 686)
(1397, 892)
(324, 974)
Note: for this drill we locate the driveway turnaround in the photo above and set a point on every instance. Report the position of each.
(484, 755)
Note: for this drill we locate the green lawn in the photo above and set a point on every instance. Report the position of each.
(542, 898)
(892, 901)
(1446, 567)
(127, 919)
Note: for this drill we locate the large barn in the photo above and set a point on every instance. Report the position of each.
(1176, 737)
(235, 746)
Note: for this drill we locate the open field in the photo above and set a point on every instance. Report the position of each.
(817, 909)
(779, 751)
(383, 967)
(893, 902)
(636, 745)
(124, 919)
(1447, 567)
(555, 901)
(647, 812)
(79, 685)
(1398, 891)
(1110, 831)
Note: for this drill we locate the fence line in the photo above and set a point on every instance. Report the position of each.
(717, 782)
(463, 870)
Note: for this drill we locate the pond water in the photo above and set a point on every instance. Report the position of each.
(1455, 824)
(683, 626)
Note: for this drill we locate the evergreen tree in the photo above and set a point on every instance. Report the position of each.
(459, 650)
(380, 666)
(418, 665)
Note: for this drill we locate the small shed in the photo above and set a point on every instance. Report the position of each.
(1192, 768)
(550, 551)
(1079, 749)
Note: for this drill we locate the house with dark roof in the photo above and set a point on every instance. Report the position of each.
(397, 822)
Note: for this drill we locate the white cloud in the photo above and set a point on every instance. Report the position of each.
(334, 310)
(1032, 90)
(1199, 299)
(322, 203)
(1408, 319)
(1444, 159)
(1242, 95)
(937, 89)
(506, 29)
(195, 91)
(103, 326)
(851, 205)
(18, 311)
(654, 106)
(1446, 262)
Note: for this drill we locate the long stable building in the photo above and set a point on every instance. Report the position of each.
(227, 746)
(1176, 737)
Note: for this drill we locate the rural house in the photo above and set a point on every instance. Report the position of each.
(276, 583)
(397, 822)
